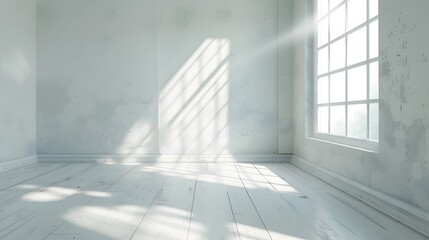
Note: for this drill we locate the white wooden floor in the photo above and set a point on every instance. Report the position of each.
(182, 201)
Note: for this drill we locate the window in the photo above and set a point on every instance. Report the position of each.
(346, 82)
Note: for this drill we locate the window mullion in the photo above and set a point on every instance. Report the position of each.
(329, 57)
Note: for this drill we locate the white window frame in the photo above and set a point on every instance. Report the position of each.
(365, 144)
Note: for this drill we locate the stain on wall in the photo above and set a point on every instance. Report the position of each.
(17, 79)
(401, 167)
(403, 170)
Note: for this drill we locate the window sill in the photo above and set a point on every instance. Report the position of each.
(358, 144)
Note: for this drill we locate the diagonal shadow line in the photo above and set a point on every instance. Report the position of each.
(203, 128)
(181, 72)
(184, 113)
(195, 118)
(202, 109)
(201, 68)
(213, 119)
(213, 139)
(211, 76)
(214, 71)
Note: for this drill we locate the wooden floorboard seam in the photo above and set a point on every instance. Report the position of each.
(50, 171)
(192, 207)
(233, 215)
(253, 203)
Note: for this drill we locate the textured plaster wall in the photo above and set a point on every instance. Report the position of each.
(401, 168)
(170, 77)
(97, 78)
(285, 75)
(17, 79)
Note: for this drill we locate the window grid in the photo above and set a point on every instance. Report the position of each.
(367, 63)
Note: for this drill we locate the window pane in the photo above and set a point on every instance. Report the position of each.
(338, 55)
(323, 119)
(322, 61)
(323, 91)
(356, 47)
(338, 87)
(338, 22)
(356, 83)
(373, 121)
(373, 8)
(357, 121)
(334, 3)
(373, 39)
(338, 120)
(356, 13)
(322, 7)
(373, 80)
(323, 32)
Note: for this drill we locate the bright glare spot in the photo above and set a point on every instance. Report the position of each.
(357, 46)
(50, 194)
(357, 124)
(323, 90)
(357, 84)
(338, 22)
(323, 119)
(358, 15)
(286, 189)
(337, 90)
(98, 194)
(338, 120)
(337, 53)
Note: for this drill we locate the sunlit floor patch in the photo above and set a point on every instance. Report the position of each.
(186, 201)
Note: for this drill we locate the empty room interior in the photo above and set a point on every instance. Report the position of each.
(214, 119)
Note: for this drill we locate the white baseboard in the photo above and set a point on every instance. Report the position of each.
(22, 162)
(122, 158)
(411, 216)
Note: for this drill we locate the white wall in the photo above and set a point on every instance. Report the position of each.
(97, 78)
(401, 168)
(17, 79)
(170, 77)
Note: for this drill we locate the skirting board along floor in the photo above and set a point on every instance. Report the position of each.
(136, 158)
(17, 163)
(401, 211)
(60, 201)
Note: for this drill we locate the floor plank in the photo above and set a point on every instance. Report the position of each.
(183, 201)
(115, 216)
(48, 206)
(20, 175)
(282, 219)
(169, 215)
(212, 217)
(361, 220)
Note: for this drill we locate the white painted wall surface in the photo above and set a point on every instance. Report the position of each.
(17, 79)
(97, 78)
(169, 77)
(285, 75)
(218, 80)
(401, 168)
